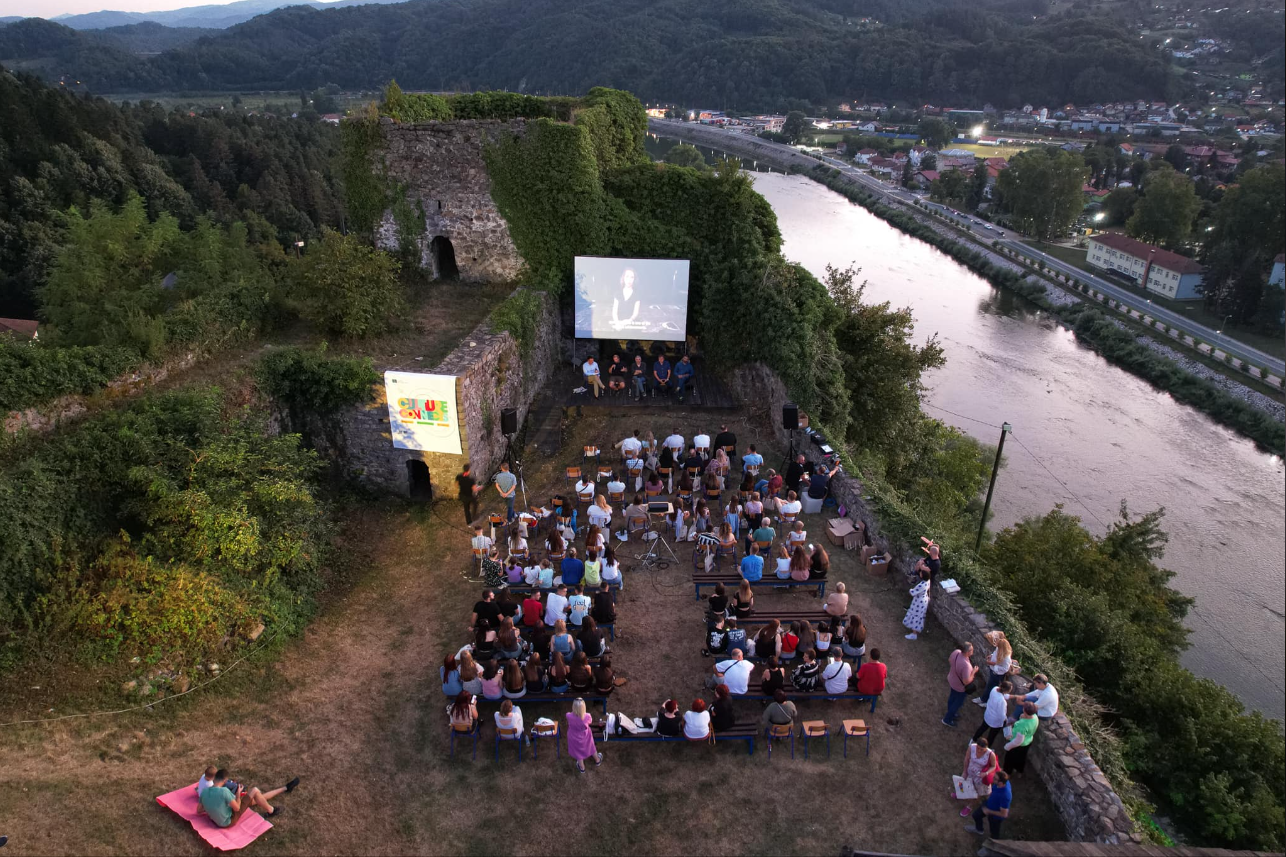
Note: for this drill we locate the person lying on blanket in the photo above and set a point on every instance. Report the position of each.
(225, 807)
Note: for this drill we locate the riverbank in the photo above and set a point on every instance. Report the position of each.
(1236, 410)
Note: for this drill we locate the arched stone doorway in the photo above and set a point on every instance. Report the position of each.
(442, 257)
(420, 485)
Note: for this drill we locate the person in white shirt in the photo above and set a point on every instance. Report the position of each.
(531, 574)
(510, 718)
(702, 442)
(993, 718)
(1044, 696)
(735, 673)
(674, 443)
(481, 544)
(585, 489)
(792, 504)
(590, 370)
(600, 514)
(615, 485)
(556, 606)
(631, 446)
(837, 673)
(696, 721)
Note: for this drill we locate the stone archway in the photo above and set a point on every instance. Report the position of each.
(419, 483)
(442, 258)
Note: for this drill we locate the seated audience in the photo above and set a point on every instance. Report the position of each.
(837, 673)
(737, 640)
(819, 563)
(604, 609)
(558, 674)
(534, 674)
(773, 678)
(696, 722)
(590, 639)
(734, 673)
(492, 681)
(790, 642)
(780, 712)
(722, 716)
(836, 603)
(808, 672)
(668, 721)
(752, 565)
(716, 636)
(581, 676)
(743, 603)
(515, 683)
(872, 675)
(768, 641)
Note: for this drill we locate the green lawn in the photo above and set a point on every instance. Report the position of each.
(1195, 310)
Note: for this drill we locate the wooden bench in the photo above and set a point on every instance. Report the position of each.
(754, 690)
(785, 617)
(733, 579)
(590, 699)
(747, 732)
(523, 588)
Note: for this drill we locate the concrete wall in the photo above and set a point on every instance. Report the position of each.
(440, 164)
(1089, 807)
(491, 375)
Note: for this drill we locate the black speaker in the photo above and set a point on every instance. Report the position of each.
(509, 421)
(790, 416)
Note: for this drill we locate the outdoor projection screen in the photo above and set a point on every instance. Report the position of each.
(422, 412)
(631, 298)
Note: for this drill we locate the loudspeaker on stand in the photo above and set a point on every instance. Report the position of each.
(790, 416)
(509, 421)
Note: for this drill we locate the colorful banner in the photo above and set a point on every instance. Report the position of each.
(422, 412)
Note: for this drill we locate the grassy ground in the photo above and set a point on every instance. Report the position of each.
(1195, 310)
(1005, 151)
(354, 708)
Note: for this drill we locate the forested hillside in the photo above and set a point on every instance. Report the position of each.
(58, 149)
(752, 54)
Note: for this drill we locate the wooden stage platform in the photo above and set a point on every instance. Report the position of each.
(708, 392)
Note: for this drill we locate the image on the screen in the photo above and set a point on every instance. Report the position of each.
(631, 298)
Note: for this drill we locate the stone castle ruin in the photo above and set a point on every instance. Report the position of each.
(440, 167)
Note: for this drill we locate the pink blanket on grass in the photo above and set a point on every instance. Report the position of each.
(248, 828)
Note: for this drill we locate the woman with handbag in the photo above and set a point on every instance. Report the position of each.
(980, 768)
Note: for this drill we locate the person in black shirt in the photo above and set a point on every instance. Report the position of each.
(795, 473)
(725, 439)
(604, 609)
(668, 721)
(821, 481)
(487, 609)
(718, 603)
(469, 489)
(722, 715)
(932, 564)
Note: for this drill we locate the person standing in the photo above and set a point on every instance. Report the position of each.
(960, 674)
(931, 563)
(998, 662)
(995, 809)
(914, 618)
(580, 740)
(591, 371)
(980, 768)
(993, 719)
(507, 487)
(469, 490)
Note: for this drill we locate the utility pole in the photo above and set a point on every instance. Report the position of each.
(1005, 429)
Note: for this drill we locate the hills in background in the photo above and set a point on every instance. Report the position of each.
(749, 54)
(216, 17)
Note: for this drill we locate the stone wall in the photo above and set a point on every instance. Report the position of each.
(1086, 801)
(440, 166)
(491, 375)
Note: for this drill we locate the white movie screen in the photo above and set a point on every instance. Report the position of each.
(631, 298)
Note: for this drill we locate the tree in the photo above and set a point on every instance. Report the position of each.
(685, 155)
(1119, 205)
(1042, 189)
(350, 288)
(935, 132)
(951, 186)
(977, 187)
(1247, 234)
(906, 173)
(1165, 213)
(1176, 157)
(794, 126)
(929, 161)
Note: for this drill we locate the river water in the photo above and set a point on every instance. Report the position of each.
(1089, 435)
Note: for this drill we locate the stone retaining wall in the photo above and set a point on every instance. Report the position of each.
(491, 374)
(1086, 801)
(440, 166)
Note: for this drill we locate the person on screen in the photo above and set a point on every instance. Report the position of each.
(683, 373)
(622, 301)
(662, 376)
(591, 372)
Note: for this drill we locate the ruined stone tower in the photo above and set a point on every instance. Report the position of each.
(440, 166)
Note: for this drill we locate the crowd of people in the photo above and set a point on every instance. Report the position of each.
(640, 379)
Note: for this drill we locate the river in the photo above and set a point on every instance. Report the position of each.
(1089, 435)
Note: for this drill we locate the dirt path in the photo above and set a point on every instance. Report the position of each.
(354, 708)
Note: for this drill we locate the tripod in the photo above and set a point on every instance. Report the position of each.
(790, 456)
(652, 556)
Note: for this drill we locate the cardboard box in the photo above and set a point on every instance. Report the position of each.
(853, 540)
(878, 564)
(838, 530)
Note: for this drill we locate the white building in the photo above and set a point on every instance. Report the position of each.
(1160, 271)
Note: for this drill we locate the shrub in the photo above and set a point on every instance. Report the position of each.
(347, 287)
(311, 382)
(518, 314)
(31, 373)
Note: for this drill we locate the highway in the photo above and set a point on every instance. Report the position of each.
(895, 193)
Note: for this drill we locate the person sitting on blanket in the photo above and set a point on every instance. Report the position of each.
(225, 808)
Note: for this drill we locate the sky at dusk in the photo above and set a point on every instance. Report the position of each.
(50, 8)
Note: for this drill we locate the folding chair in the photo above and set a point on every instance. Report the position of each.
(458, 730)
(636, 524)
(496, 521)
(713, 495)
(508, 733)
(787, 520)
(664, 473)
(604, 473)
(856, 729)
(780, 731)
(653, 492)
(572, 474)
(551, 731)
(520, 555)
(636, 475)
(590, 451)
(685, 496)
(815, 729)
(731, 449)
(764, 547)
(616, 497)
(478, 555)
(694, 471)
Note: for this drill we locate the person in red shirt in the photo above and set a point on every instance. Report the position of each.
(871, 676)
(775, 483)
(532, 610)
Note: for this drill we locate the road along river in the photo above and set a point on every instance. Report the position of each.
(1086, 434)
